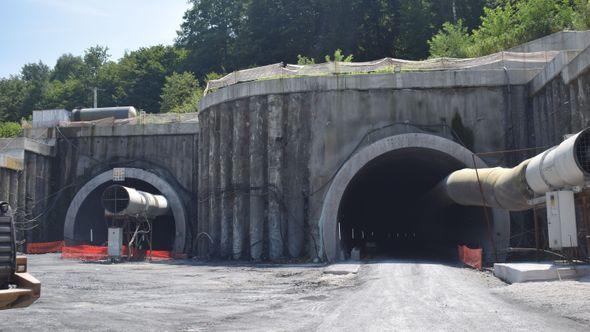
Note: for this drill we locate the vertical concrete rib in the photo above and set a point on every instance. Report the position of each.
(225, 172)
(30, 195)
(202, 227)
(257, 182)
(214, 217)
(275, 166)
(241, 182)
(294, 180)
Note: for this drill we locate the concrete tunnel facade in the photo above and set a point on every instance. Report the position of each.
(311, 167)
(273, 155)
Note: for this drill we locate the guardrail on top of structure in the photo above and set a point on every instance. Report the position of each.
(385, 65)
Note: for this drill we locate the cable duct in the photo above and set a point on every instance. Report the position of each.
(561, 167)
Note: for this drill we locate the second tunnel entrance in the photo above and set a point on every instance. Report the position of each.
(384, 211)
(377, 202)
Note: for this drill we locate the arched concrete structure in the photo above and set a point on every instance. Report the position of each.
(139, 174)
(328, 223)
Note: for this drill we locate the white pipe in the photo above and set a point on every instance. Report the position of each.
(560, 168)
(121, 200)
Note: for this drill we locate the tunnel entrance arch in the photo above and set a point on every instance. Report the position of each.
(135, 175)
(415, 146)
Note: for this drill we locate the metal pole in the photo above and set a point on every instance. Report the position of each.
(95, 92)
(586, 223)
(485, 210)
(536, 222)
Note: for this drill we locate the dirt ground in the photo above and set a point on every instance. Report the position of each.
(192, 296)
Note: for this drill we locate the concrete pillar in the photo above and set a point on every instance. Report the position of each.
(225, 172)
(30, 196)
(202, 227)
(13, 193)
(257, 180)
(275, 166)
(241, 182)
(214, 202)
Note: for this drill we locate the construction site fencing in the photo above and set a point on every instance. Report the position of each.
(470, 257)
(384, 65)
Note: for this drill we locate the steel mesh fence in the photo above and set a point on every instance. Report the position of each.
(278, 70)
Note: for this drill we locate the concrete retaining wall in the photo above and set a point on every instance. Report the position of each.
(280, 142)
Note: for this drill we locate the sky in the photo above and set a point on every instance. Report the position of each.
(33, 30)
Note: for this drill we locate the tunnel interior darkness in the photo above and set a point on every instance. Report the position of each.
(384, 212)
(91, 226)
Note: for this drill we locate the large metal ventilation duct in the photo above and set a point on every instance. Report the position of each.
(120, 200)
(93, 114)
(562, 167)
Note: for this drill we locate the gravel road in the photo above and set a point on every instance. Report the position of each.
(187, 296)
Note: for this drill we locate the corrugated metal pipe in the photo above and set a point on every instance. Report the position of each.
(561, 167)
(120, 200)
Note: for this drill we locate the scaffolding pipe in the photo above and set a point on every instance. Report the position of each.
(562, 167)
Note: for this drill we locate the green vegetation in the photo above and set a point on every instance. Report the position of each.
(9, 129)
(508, 24)
(220, 36)
(181, 93)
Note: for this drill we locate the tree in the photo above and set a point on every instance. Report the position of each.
(208, 32)
(452, 41)
(13, 92)
(181, 93)
(36, 79)
(415, 27)
(142, 74)
(511, 23)
(68, 94)
(67, 66)
(94, 58)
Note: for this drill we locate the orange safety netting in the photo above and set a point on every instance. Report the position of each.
(471, 257)
(95, 253)
(44, 247)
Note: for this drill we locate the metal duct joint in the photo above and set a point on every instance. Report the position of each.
(562, 167)
(121, 200)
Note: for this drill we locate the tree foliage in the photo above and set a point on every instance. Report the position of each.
(9, 129)
(181, 93)
(510, 23)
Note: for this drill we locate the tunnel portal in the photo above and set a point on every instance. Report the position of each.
(91, 223)
(86, 212)
(377, 202)
(384, 211)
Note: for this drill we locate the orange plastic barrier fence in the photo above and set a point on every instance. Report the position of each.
(44, 247)
(96, 253)
(471, 257)
(84, 252)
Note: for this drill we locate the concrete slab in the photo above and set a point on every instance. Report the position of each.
(342, 268)
(523, 272)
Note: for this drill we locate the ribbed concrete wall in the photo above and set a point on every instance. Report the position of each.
(269, 149)
(562, 105)
(255, 174)
(9, 185)
(28, 192)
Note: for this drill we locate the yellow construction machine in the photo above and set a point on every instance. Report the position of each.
(17, 288)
